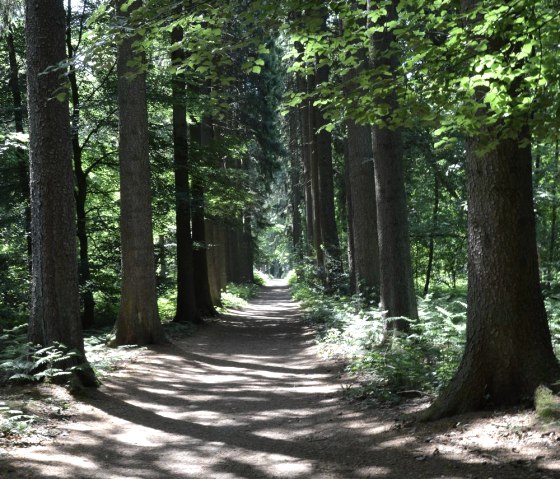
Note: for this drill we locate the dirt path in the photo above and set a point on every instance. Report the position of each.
(247, 397)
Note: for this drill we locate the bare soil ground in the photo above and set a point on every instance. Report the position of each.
(248, 397)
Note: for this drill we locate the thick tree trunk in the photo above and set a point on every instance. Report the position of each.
(397, 286)
(186, 298)
(508, 351)
(138, 321)
(363, 213)
(23, 167)
(80, 193)
(55, 308)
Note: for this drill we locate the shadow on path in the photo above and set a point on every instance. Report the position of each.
(246, 397)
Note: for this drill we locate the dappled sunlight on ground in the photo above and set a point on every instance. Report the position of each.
(246, 397)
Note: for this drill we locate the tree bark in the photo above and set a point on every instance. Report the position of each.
(55, 309)
(306, 148)
(295, 184)
(508, 351)
(200, 135)
(397, 286)
(80, 192)
(314, 183)
(329, 232)
(216, 259)
(138, 321)
(350, 226)
(363, 213)
(187, 310)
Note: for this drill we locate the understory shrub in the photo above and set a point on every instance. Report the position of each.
(260, 278)
(236, 295)
(388, 368)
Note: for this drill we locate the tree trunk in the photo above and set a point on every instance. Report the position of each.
(553, 219)
(508, 351)
(363, 213)
(80, 192)
(433, 229)
(200, 135)
(247, 241)
(187, 310)
(295, 184)
(315, 186)
(138, 321)
(23, 167)
(329, 233)
(55, 308)
(214, 255)
(397, 286)
(306, 148)
(350, 227)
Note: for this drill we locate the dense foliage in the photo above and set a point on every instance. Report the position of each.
(267, 86)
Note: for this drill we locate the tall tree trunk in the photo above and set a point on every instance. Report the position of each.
(306, 149)
(315, 185)
(554, 217)
(23, 167)
(215, 258)
(397, 286)
(247, 241)
(350, 227)
(361, 190)
(80, 193)
(55, 308)
(200, 136)
(187, 310)
(138, 321)
(295, 184)
(329, 233)
(508, 351)
(433, 229)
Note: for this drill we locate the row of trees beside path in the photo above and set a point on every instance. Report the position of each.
(470, 88)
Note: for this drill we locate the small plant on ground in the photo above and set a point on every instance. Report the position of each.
(547, 404)
(14, 422)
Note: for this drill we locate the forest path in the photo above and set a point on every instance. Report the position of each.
(245, 397)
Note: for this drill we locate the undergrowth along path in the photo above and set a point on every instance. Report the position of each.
(246, 397)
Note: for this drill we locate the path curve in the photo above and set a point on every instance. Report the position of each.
(246, 397)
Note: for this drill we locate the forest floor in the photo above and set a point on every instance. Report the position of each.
(248, 397)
